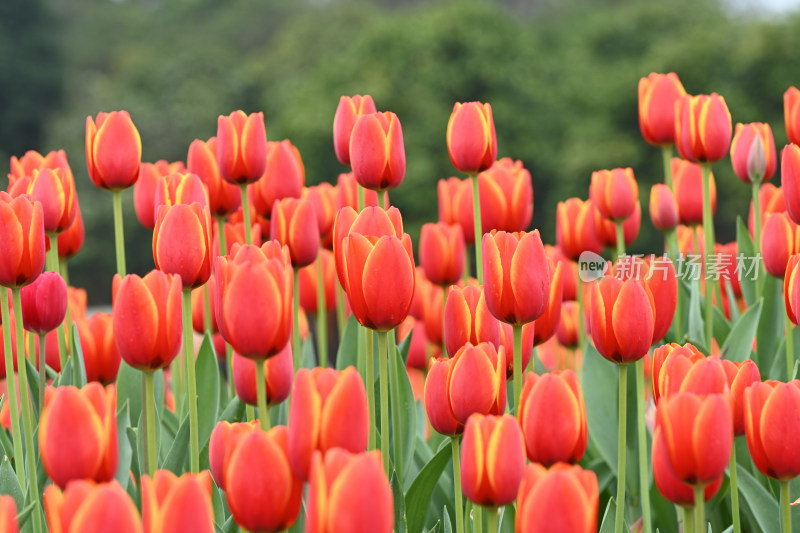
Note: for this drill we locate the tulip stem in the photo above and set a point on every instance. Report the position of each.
(517, 329)
(27, 418)
(250, 412)
(620, 239)
(383, 369)
(381, 200)
(666, 159)
(42, 372)
(708, 232)
(476, 211)
(145, 428)
(296, 346)
(674, 253)
(322, 315)
(207, 327)
(737, 526)
(756, 187)
(16, 433)
(457, 485)
(151, 450)
(53, 266)
(699, 509)
(191, 397)
(119, 235)
(622, 427)
(341, 321)
(261, 395)
(789, 349)
(644, 470)
(688, 521)
(361, 195)
(248, 238)
(491, 519)
(786, 513)
(370, 386)
(477, 519)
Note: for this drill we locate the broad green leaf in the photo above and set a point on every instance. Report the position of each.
(697, 333)
(773, 317)
(180, 448)
(207, 390)
(507, 518)
(399, 505)
(738, 346)
(607, 524)
(79, 377)
(33, 385)
(9, 484)
(763, 506)
(134, 441)
(722, 327)
(217, 505)
(419, 493)
(347, 354)
(124, 453)
(403, 413)
(129, 389)
(599, 380)
(234, 412)
(731, 298)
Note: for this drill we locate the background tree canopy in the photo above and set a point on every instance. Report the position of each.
(561, 77)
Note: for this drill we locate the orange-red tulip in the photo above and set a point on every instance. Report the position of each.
(492, 460)
(507, 340)
(791, 288)
(278, 374)
(663, 208)
(254, 299)
(661, 280)
(467, 319)
(324, 198)
(575, 228)
(455, 205)
(294, 223)
(145, 189)
(791, 114)
(223, 197)
(669, 485)
(552, 414)
(91, 508)
(614, 192)
(32, 161)
(8, 514)
(567, 333)
(284, 177)
(223, 441)
(563, 499)
(199, 307)
(688, 182)
(471, 137)
(790, 180)
(347, 113)
(740, 377)
(113, 150)
(70, 241)
(172, 503)
(622, 315)
(349, 492)
(753, 152)
(377, 152)
(657, 96)
(261, 490)
(55, 189)
(546, 325)
(182, 243)
(506, 192)
(22, 240)
(772, 427)
(702, 127)
(100, 354)
(147, 319)
(78, 433)
(418, 350)
(433, 302)
(178, 188)
(685, 357)
(780, 239)
(309, 282)
(234, 233)
(442, 252)
(771, 200)
(241, 147)
(44, 303)
(328, 410)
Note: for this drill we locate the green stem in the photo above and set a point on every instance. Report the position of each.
(146, 428)
(250, 412)
(737, 526)
(674, 254)
(708, 231)
(119, 235)
(786, 512)
(457, 485)
(688, 522)
(699, 509)
(229, 365)
(261, 395)
(223, 251)
(756, 186)
(666, 159)
(620, 239)
(622, 429)
(381, 200)
(383, 369)
(42, 372)
(789, 349)
(150, 422)
(361, 201)
(27, 417)
(322, 315)
(191, 397)
(16, 432)
(517, 329)
(477, 519)
(491, 519)
(341, 321)
(51, 259)
(370, 385)
(476, 211)
(644, 470)
(248, 238)
(207, 327)
(296, 345)
(64, 268)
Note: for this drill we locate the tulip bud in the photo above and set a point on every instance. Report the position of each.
(55, 189)
(144, 191)
(324, 198)
(182, 243)
(506, 194)
(669, 485)
(223, 198)
(377, 153)
(563, 499)
(284, 177)
(22, 240)
(309, 282)
(113, 150)
(294, 223)
(442, 252)
(241, 147)
(622, 318)
(607, 231)
(471, 137)
(772, 425)
(8, 514)
(347, 113)
(70, 241)
(546, 325)
(702, 127)
(44, 303)
(791, 114)
(684, 357)
(663, 208)
(780, 239)
(791, 287)
(176, 188)
(753, 152)
(172, 503)
(575, 228)
(223, 441)
(790, 180)
(740, 377)
(614, 192)
(657, 96)
(85, 506)
(492, 460)
(467, 319)
(455, 205)
(278, 374)
(100, 354)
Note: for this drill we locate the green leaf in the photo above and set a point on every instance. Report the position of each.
(403, 412)
(607, 525)
(773, 318)
(129, 389)
(124, 453)
(744, 246)
(599, 380)
(447, 527)
(136, 467)
(308, 358)
(177, 453)
(234, 412)
(79, 378)
(399, 505)
(66, 377)
(731, 298)
(33, 385)
(347, 354)
(507, 518)
(217, 505)
(697, 332)
(419, 493)
(762, 505)
(9, 484)
(738, 345)
(207, 390)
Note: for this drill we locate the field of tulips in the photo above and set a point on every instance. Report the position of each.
(292, 366)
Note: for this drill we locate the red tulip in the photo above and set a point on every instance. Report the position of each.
(506, 193)
(622, 318)
(33, 161)
(661, 279)
(567, 332)
(790, 180)
(176, 188)
(284, 177)
(8, 514)
(772, 427)
(492, 460)
(433, 302)
(144, 191)
(780, 239)
(278, 374)
(199, 306)
(78, 433)
(467, 319)
(740, 377)
(377, 153)
(614, 192)
(419, 352)
(90, 508)
(347, 113)
(21, 240)
(101, 356)
(241, 147)
(44, 303)
(442, 252)
(294, 223)
(471, 138)
(55, 189)
(172, 503)
(702, 127)
(684, 356)
(575, 228)
(658, 94)
(223, 197)
(771, 200)
(182, 243)
(234, 233)
(791, 114)
(663, 208)
(753, 152)
(309, 282)
(113, 150)
(70, 241)
(546, 325)
(224, 439)
(669, 485)
(455, 205)
(324, 198)
(563, 499)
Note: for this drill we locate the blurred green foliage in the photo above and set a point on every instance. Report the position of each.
(561, 77)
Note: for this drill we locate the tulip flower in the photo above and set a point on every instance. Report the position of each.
(8, 514)
(309, 282)
(563, 499)
(658, 94)
(614, 192)
(32, 161)
(223, 441)
(492, 460)
(669, 485)
(21, 240)
(101, 356)
(44, 303)
(567, 333)
(506, 197)
(347, 113)
(442, 252)
(70, 241)
(328, 410)
(688, 181)
(770, 201)
(340, 485)
(663, 208)
(78, 433)
(455, 205)
(241, 147)
(419, 351)
(791, 114)
(294, 223)
(471, 137)
(278, 373)
(507, 340)
(172, 503)
(223, 197)
(55, 189)
(575, 228)
(685, 357)
(771, 422)
(702, 127)
(284, 177)
(467, 319)
(145, 189)
(661, 279)
(606, 230)
(234, 233)
(324, 198)
(546, 325)
(377, 153)
(432, 316)
(113, 150)
(262, 492)
(176, 188)
(791, 288)
(780, 240)
(182, 243)
(753, 152)
(740, 377)
(88, 507)
(552, 415)
(790, 180)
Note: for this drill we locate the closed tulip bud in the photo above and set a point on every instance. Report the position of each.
(546, 325)
(468, 319)
(262, 492)
(144, 192)
(309, 282)
(241, 147)
(113, 150)
(614, 192)
(78, 300)
(657, 96)
(348, 193)
(791, 288)
(224, 198)
(492, 460)
(328, 410)
(563, 499)
(661, 279)
(753, 152)
(418, 350)
(223, 441)
(32, 161)
(455, 205)
(575, 228)
(434, 302)
(669, 485)
(172, 503)
(771, 200)
(254, 299)
(339, 486)
(688, 182)
(569, 276)
(791, 114)
(55, 189)
(567, 332)
(442, 251)
(790, 180)
(506, 193)
(22, 240)
(607, 231)
(78, 433)
(44, 303)
(377, 152)
(702, 127)
(147, 319)
(350, 108)
(622, 318)
(552, 414)
(278, 374)
(471, 137)
(698, 435)
(663, 208)
(370, 221)
(284, 177)
(780, 239)
(436, 399)
(176, 188)
(91, 508)
(705, 375)
(182, 243)
(772, 427)
(70, 241)
(684, 356)
(294, 224)
(8, 514)
(101, 356)
(740, 377)
(324, 198)
(514, 294)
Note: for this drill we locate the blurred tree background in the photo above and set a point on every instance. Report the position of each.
(561, 77)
